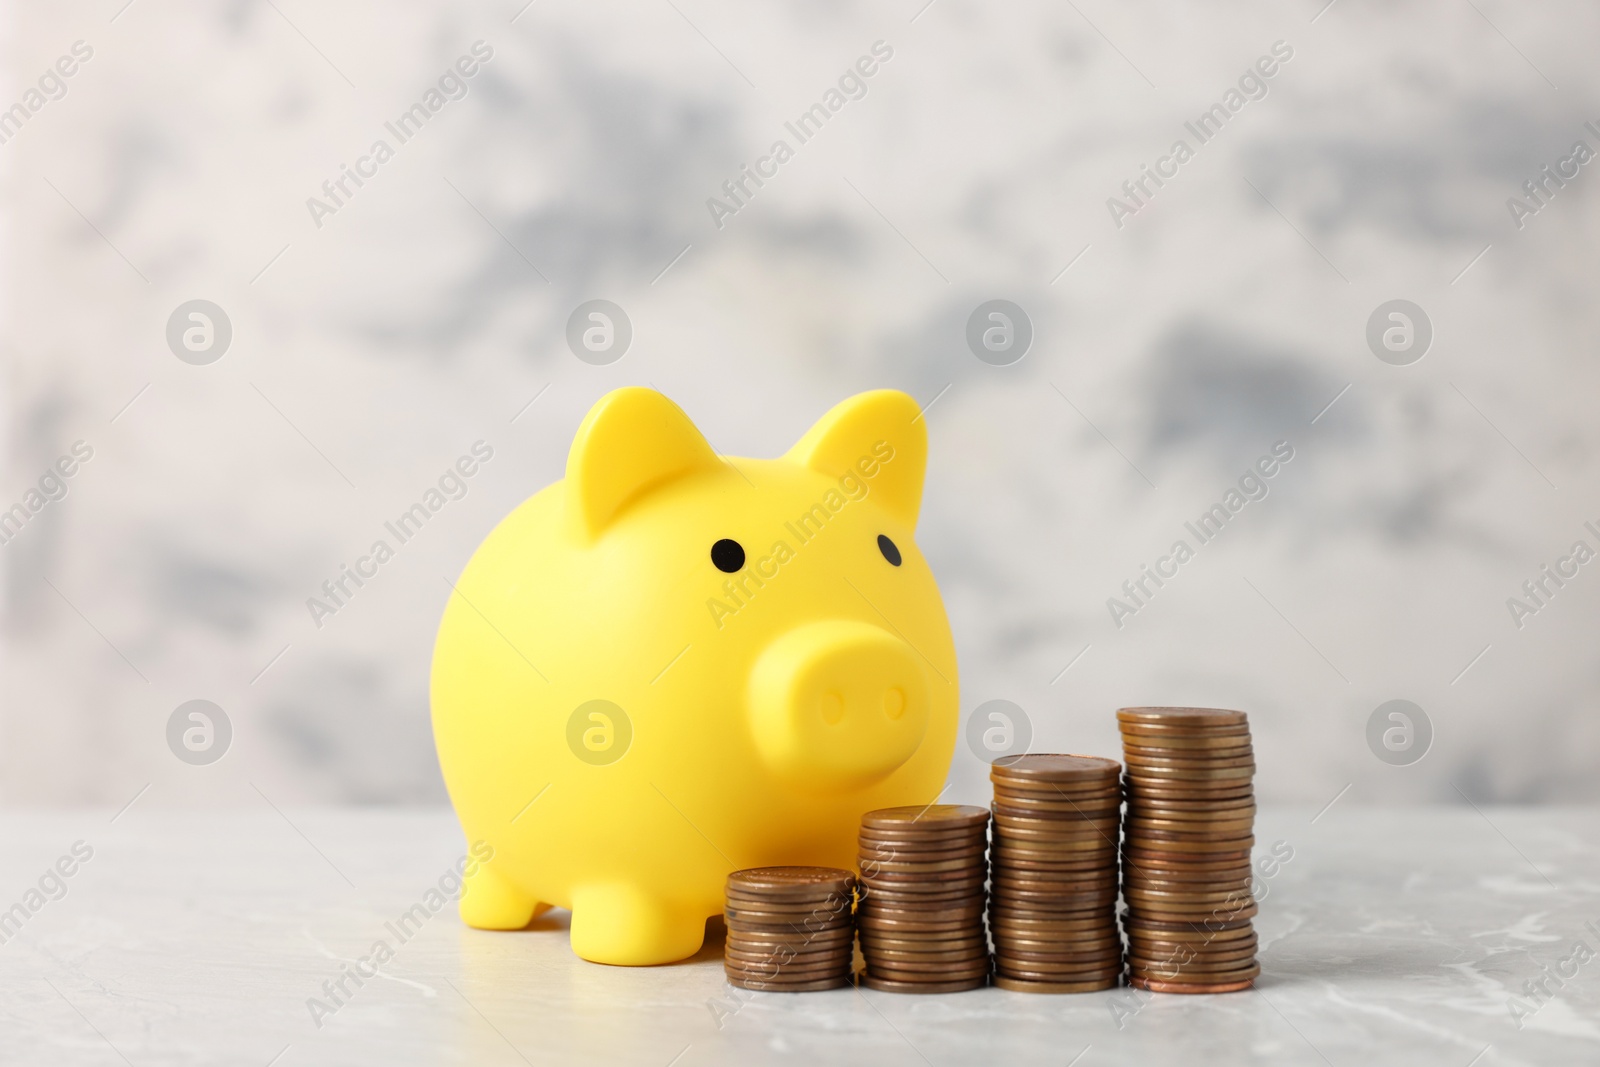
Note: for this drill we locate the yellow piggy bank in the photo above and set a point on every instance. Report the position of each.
(672, 665)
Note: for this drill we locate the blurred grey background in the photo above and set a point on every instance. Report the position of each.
(373, 345)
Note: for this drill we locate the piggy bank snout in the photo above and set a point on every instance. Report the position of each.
(837, 704)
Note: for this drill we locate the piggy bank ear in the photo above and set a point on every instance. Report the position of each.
(881, 432)
(632, 441)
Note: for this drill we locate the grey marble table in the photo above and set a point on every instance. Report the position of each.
(1405, 935)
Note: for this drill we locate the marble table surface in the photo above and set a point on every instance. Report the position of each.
(1393, 935)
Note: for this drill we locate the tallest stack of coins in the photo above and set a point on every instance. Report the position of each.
(1186, 849)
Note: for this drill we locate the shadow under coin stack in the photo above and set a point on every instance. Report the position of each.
(1053, 892)
(790, 928)
(921, 910)
(1186, 849)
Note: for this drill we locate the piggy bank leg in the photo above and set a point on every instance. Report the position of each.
(489, 902)
(622, 924)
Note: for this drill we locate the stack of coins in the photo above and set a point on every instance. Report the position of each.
(1186, 850)
(921, 910)
(1053, 897)
(790, 929)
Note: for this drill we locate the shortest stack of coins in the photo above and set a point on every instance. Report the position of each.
(921, 910)
(1186, 849)
(790, 929)
(1053, 898)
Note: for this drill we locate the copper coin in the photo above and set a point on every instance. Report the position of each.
(970, 911)
(1198, 978)
(916, 902)
(1190, 950)
(1141, 884)
(818, 916)
(1051, 872)
(1222, 778)
(887, 985)
(1184, 830)
(1101, 946)
(789, 932)
(1054, 767)
(1145, 732)
(919, 902)
(1188, 740)
(936, 970)
(1107, 798)
(931, 816)
(1171, 987)
(1158, 939)
(1190, 815)
(959, 950)
(1060, 815)
(962, 947)
(772, 974)
(942, 882)
(1183, 716)
(1204, 963)
(781, 986)
(1052, 896)
(1135, 856)
(1062, 970)
(779, 880)
(1008, 853)
(1102, 955)
(1057, 885)
(876, 856)
(791, 937)
(1199, 926)
(1025, 985)
(1151, 789)
(794, 909)
(882, 840)
(1102, 790)
(839, 905)
(1196, 760)
(1074, 825)
(935, 973)
(1019, 932)
(1173, 911)
(788, 965)
(954, 955)
(1182, 747)
(904, 928)
(1047, 975)
(1035, 925)
(1208, 896)
(890, 868)
(1196, 848)
(961, 872)
(1041, 842)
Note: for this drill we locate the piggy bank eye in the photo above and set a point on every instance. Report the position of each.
(727, 555)
(890, 551)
